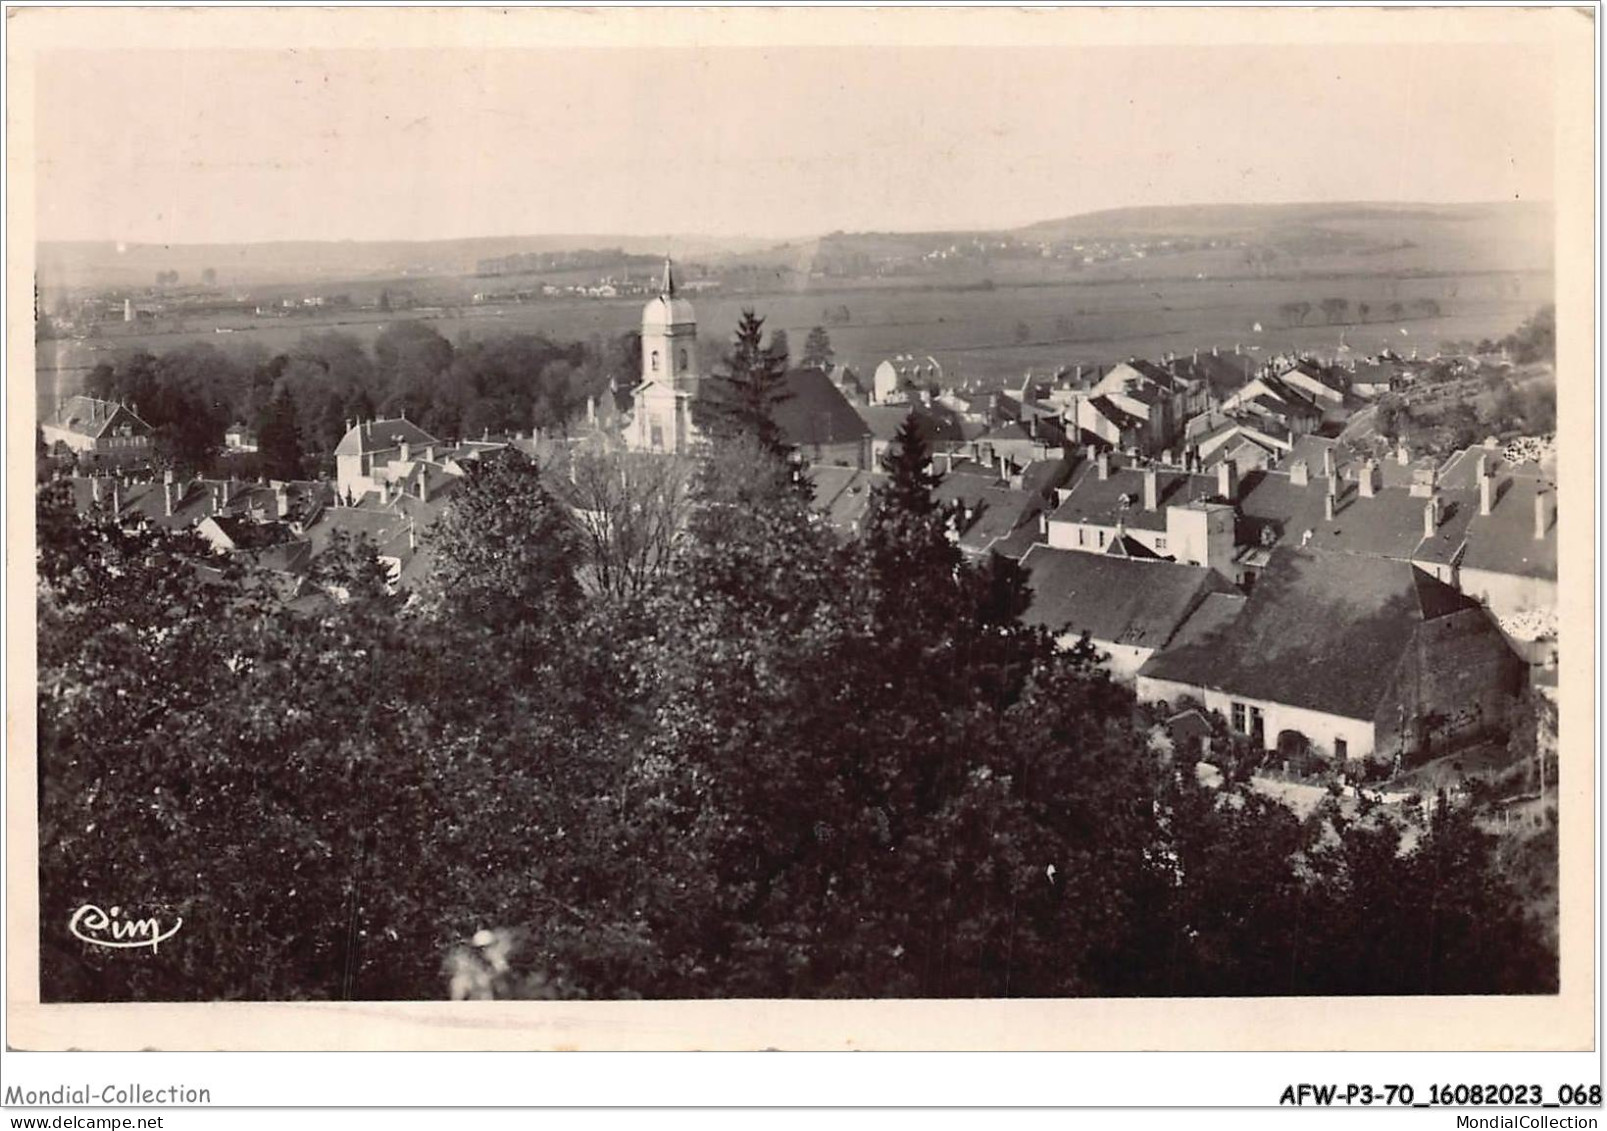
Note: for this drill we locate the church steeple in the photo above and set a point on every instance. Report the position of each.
(668, 289)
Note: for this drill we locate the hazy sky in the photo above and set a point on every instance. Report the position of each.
(224, 146)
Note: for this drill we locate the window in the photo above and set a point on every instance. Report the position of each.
(1238, 717)
(683, 359)
(1341, 749)
(1101, 539)
(658, 430)
(1160, 543)
(1258, 729)
(1079, 536)
(655, 361)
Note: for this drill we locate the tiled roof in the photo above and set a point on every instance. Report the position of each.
(816, 412)
(995, 510)
(1019, 543)
(1126, 546)
(88, 416)
(1462, 469)
(1044, 475)
(1116, 600)
(1389, 525)
(883, 420)
(1097, 502)
(1320, 631)
(842, 495)
(381, 526)
(1119, 417)
(248, 535)
(1211, 617)
(1503, 541)
(382, 435)
(1225, 373)
(938, 425)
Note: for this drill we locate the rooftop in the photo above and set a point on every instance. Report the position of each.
(1115, 600)
(1503, 541)
(383, 435)
(1320, 630)
(1097, 502)
(816, 412)
(843, 494)
(1389, 525)
(88, 416)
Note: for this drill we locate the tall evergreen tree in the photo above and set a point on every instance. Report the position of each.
(817, 352)
(742, 400)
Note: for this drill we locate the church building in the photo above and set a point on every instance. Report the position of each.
(661, 413)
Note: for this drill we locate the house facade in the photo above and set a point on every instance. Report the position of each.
(106, 430)
(1357, 658)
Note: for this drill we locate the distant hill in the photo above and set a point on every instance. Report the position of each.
(1218, 240)
(110, 265)
(1514, 235)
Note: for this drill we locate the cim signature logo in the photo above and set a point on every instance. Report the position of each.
(109, 929)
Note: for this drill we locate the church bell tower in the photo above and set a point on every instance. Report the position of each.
(669, 337)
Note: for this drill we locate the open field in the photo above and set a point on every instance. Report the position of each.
(973, 332)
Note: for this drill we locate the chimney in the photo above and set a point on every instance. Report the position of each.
(169, 476)
(94, 489)
(1152, 489)
(1227, 480)
(1299, 474)
(405, 452)
(423, 485)
(1369, 478)
(117, 497)
(1215, 354)
(1486, 488)
(1104, 465)
(281, 501)
(1328, 462)
(1196, 357)
(1542, 514)
(1332, 488)
(1328, 507)
(1043, 524)
(591, 410)
(1403, 454)
(1431, 516)
(169, 490)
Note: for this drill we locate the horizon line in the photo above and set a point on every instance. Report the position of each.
(784, 239)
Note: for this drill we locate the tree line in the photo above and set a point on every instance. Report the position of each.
(302, 399)
(766, 762)
(1337, 311)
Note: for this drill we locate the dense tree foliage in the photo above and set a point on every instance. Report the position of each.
(774, 764)
(505, 384)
